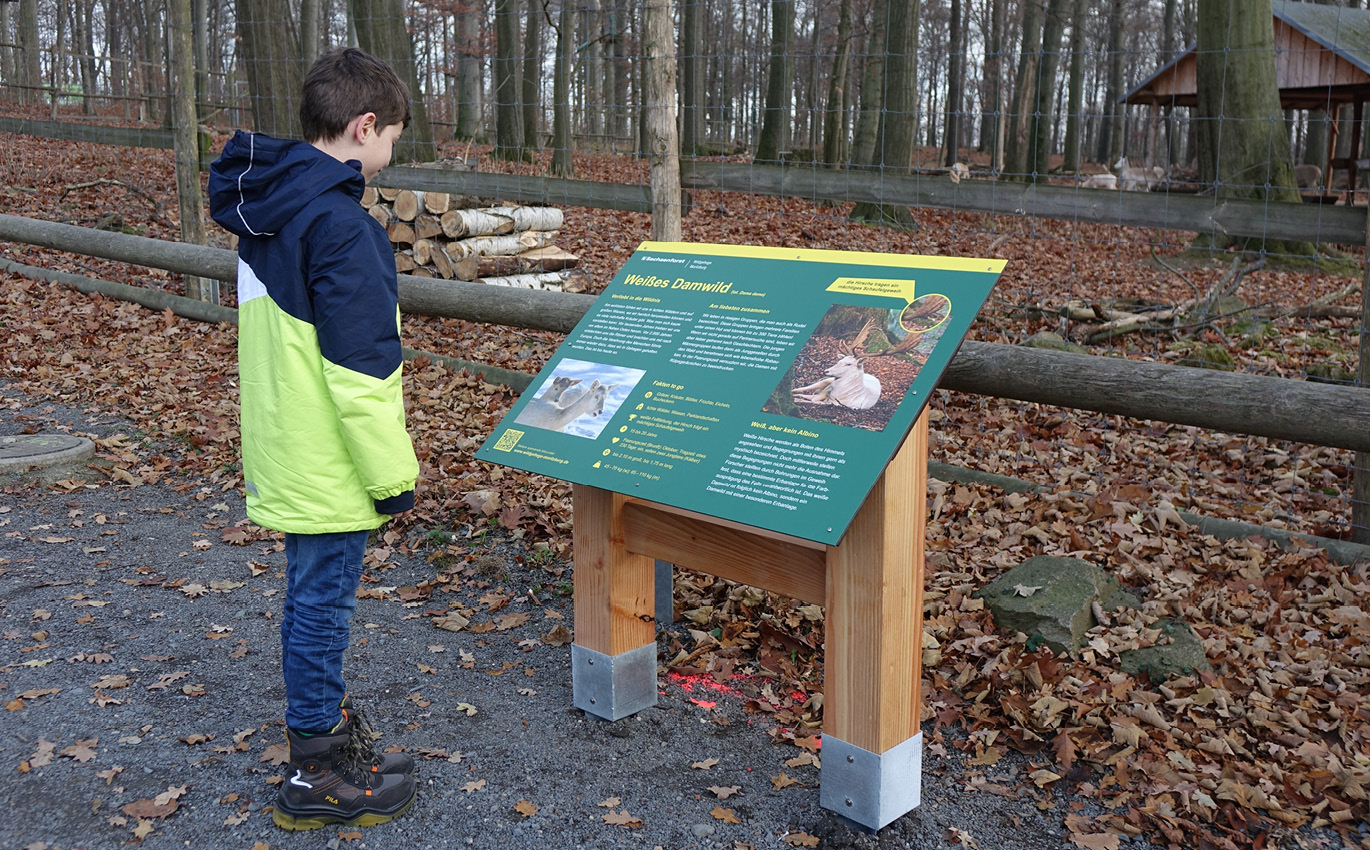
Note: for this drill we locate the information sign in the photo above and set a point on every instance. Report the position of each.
(769, 386)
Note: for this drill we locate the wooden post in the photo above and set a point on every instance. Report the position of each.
(613, 660)
(873, 586)
(872, 749)
(1360, 471)
(875, 612)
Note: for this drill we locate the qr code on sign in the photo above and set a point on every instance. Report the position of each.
(508, 440)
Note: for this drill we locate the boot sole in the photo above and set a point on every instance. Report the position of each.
(304, 821)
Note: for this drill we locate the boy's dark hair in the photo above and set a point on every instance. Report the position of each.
(346, 82)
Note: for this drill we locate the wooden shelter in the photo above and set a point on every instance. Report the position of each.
(1322, 61)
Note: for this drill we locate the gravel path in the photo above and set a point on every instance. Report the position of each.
(139, 658)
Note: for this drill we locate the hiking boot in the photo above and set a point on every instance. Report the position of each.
(355, 723)
(333, 783)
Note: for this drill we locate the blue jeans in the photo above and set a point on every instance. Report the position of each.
(322, 573)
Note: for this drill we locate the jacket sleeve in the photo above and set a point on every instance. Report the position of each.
(355, 303)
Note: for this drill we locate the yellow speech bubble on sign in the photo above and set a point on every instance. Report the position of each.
(879, 286)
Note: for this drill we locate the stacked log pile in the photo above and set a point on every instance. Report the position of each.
(438, 235)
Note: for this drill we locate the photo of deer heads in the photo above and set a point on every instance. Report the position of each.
(860, 362)
(579, 398)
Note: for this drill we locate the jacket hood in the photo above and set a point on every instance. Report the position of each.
(259, 182)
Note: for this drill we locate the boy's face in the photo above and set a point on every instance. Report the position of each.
(377, 146)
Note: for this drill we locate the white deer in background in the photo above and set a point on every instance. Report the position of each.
(846, 382)
(556, 415)
(1134, 179)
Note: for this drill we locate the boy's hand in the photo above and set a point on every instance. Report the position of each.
(396, 504)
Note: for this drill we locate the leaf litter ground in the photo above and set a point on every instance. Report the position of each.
(1266, 750)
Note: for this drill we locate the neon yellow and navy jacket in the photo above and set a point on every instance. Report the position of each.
(324, 442)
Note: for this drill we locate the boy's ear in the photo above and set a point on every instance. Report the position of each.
(362, 126)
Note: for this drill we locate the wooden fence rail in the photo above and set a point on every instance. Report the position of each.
(1278, 408)
(138, 137)
(1193, 213)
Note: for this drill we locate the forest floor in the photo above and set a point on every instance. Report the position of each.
(1269, 749)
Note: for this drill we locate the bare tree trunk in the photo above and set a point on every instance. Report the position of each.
(563, 142)
(469, 55)
(1169, 26)
(1018, 156)
(9, 69)
(185, 137)
(951, 134)
(658, 50)
(593, 73)
(200, 9)
(382, 31)
(1111, 132)
(84, 41)
(1053, 28)
(30, 51)
(1076, 86)
(532, 76)
(270, 57)
(309, 33)
(872, 90)
(618, 25)
(775, 122)
(505, 70)
(691, 78)
(835, 114)
(1242, 142)
(898, 119)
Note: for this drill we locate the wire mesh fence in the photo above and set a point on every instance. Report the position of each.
(874, 125)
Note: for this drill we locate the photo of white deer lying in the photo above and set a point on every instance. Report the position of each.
(846, 383)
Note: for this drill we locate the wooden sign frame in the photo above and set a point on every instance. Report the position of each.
(871, 585)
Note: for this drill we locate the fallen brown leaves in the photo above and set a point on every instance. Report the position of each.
(1273, 736)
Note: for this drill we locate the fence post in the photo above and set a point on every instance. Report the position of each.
(1360, 473)
(185, 134)
(663, 145)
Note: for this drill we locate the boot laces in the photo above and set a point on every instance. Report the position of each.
(362, 738)
(357, 757)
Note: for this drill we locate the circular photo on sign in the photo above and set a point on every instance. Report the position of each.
(925, 313)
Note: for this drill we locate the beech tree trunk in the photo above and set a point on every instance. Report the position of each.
(309, 33)
(951, 133)
(775, 119)
(658, 51)
(185, 137)
(531, 103)
(1017, 153)
(691, 79)
(1243, 147)
(469, 56)
(1111, 130)
(835, 113)
(898, 119)
(505, 69)
(1076, 87)
(382, 31)
(872, 89)
(9, 69)
(1042, 118)
(270, 58)
(30, 52)
(563, 142)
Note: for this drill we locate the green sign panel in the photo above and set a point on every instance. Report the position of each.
(769, 386)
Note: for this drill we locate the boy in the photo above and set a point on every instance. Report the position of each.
(326, 457)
